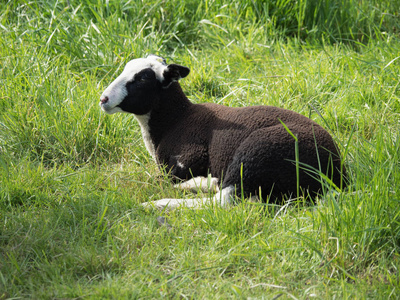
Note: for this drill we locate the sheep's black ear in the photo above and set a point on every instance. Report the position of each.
(173, 73)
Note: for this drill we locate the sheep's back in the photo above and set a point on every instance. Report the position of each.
(226, 128)
(208, 135)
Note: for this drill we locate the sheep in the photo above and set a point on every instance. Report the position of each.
(235, 151)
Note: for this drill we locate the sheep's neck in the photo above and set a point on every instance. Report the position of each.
(144, 126)
(172, 106)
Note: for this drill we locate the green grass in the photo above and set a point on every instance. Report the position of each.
(72, 178)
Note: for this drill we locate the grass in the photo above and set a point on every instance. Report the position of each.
(72, 178)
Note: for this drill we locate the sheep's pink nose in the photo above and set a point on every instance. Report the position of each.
(104, 100)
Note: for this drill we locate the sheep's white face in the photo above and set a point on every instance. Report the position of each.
(135, 72)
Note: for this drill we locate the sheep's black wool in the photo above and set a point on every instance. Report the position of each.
(248, 147)
(211, 138)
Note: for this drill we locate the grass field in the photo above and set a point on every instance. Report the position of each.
(72, 178)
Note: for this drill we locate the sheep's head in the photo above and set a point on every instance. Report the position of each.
(140, 84)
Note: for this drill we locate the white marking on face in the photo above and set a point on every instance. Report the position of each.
(115, 93)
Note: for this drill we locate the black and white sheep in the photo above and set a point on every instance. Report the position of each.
(245, 149)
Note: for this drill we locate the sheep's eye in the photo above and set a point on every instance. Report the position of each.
(140, 78)
(144, 76)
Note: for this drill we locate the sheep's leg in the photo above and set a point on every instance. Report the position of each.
(222, 198)
(203, 184)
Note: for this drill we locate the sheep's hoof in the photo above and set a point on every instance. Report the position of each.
(162, 221)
